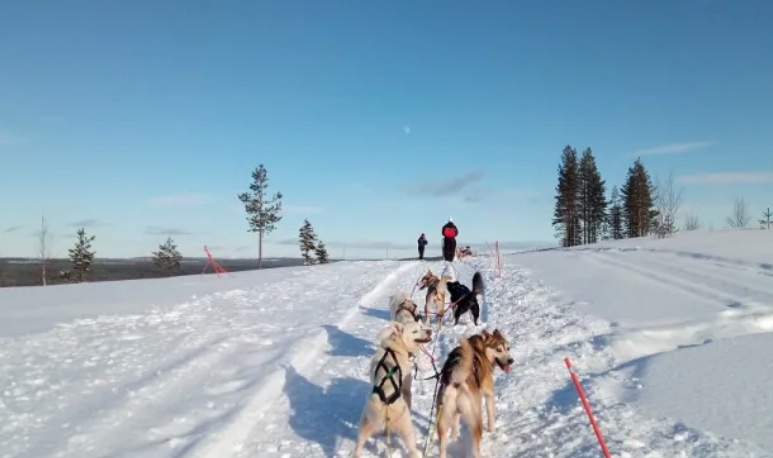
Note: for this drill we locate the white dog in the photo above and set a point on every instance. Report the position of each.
(389, 403)
(402, 309)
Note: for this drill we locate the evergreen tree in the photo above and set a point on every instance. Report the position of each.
(81, 256)
(307, 240)
(263, 212)
(321, 252)
(615, 215)
(566, 218)
(168, 259)
(592, 200)
(639, 216)
(765, 221)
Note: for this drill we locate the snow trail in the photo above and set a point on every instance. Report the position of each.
(274, 363)
(304, 355)
(165, 380)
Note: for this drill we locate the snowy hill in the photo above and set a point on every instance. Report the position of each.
(669, 336)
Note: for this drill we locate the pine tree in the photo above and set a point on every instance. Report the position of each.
(81, 256)
(765, 221)
(638, 201)
(321, 252)
(566, 218)
(307, 240)
(592, 199)
(263, 213)
(168, 259)
(615, 215)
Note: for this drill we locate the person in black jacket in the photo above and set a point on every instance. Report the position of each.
(422, 243)
(449, 232)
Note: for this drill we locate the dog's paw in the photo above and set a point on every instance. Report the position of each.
(491, 427)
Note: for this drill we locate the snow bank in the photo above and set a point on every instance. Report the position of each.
(681, 314)
(670, 338)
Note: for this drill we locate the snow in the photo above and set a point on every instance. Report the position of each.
(670, 339)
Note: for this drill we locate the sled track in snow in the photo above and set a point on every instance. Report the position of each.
(709, 283)
(229, 440)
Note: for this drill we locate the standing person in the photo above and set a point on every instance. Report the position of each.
(422, 243)
(449, 232)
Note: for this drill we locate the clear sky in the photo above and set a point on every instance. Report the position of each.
(377, 120)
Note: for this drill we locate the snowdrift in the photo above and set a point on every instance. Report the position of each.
(670, 338)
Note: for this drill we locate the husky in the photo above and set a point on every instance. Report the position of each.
(466, 379)
(436, 295)
(389, 403)
(402, 309)
(465, 299)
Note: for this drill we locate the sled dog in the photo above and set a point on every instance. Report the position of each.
(466, 379)
(402, 309)
(436, 295)
(464, 299)
(389, 403)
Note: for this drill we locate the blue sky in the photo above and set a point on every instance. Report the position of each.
(377, 120)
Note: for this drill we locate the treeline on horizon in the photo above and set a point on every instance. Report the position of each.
(584, 213)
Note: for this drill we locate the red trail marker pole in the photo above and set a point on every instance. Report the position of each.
(588, 410)
(211, 262)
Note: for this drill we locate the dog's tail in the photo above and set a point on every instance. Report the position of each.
(464, 368)
(477, 284)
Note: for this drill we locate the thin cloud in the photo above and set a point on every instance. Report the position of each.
(189, 199)
(727, 178)
(241, 249)
(8, 230)
(473, 197)
(168, 231)
(673, 148)
(301, 210)
(507, 194)
(451, 186)
(90, 222)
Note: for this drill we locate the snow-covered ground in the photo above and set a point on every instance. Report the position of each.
(669, 336)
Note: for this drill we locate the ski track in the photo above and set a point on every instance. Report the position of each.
(305, 354)
(548, 419)
(185, 370)
(710, 280)
(198, 376)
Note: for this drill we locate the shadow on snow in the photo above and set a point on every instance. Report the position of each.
(343, 343)
(325, 415)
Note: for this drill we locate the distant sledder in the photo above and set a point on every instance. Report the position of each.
(463, 252)
(449, 233)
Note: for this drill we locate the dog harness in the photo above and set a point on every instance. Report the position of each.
(390, 375)
(413, 314)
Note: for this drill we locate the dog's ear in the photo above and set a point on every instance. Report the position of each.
(498, 334)
(486, 335)
(397, 327)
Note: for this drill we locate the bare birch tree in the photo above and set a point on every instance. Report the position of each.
(667, 204)
(44, 248)
(691, 222)
(740, 217)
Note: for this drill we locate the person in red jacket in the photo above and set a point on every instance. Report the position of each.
(449, 233)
